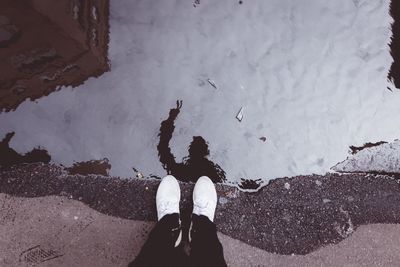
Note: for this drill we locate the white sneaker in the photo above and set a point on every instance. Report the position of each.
(204, 198)
(168, 196)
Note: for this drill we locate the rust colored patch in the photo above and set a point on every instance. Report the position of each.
(356, 149)
(47, 44)
(9, 157)
(97, 167)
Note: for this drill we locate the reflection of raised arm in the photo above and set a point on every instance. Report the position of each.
(220, 174)
(166, 130)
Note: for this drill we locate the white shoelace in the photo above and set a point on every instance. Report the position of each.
(201, 207)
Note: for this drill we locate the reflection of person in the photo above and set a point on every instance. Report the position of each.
(196, 164)
(163, 245)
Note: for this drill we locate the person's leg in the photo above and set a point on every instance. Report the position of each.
(160, 248)
(206, 249)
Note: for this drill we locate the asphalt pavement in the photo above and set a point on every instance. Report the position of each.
(51, 218)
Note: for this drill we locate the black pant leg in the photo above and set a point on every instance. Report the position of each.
(159, 249)
(206, 250)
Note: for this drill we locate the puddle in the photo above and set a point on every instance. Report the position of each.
(9, 156)
(45, 48)
(196, 164)
(96, 167)
(285, 147)
(380, 158)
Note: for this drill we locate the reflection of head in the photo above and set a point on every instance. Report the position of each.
(198, 148)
